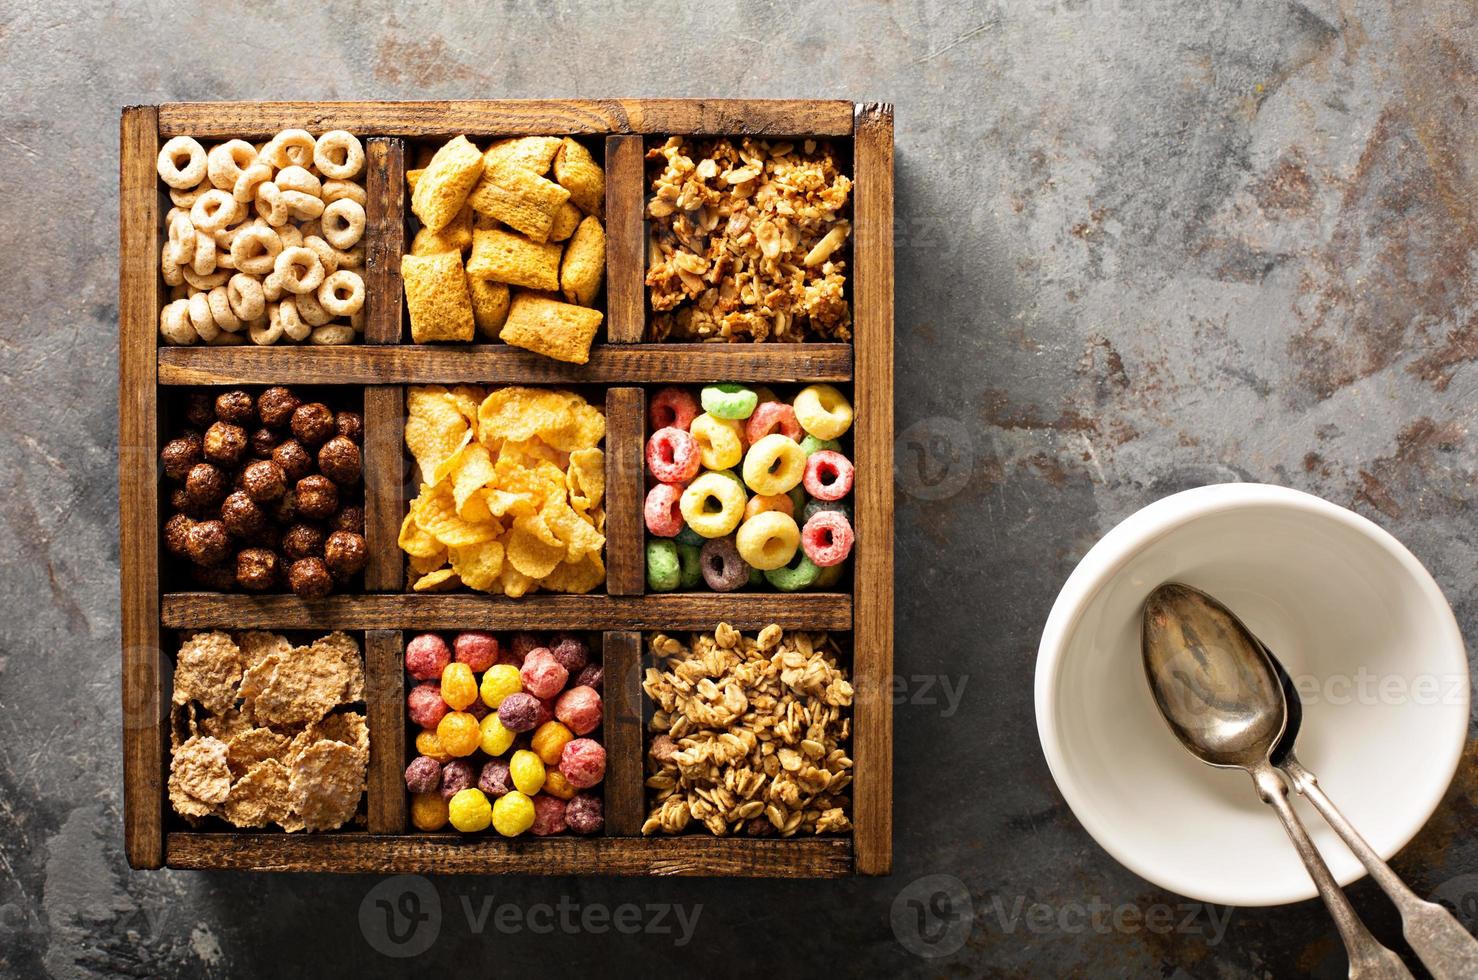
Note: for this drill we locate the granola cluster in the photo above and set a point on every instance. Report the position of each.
(747, 734)
(746, 242)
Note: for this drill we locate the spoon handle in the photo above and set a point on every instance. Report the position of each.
(1368, 958)
(1444, 946)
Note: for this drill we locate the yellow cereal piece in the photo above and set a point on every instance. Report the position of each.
(444, 578)
(413, 177)
(528, 552)
(428, 744)
(459, 733)
(459, 687)
(471, 470)
(499, 681)
(577, 577)
(490, 301)
(527, 772)
(494, 739)
(823, 411)
(532, 153)
(479, 565)
(442, 188)
(436, 295)
(515, 583)
(558, 330)
(566, 220)
(584, 265)
(575, 534)
(586, 478)
(435, 429)
(512, 814)
(429, 811)
(509, 258)
(469, 811)
(578, 173)
(555, 784)
(520, 199)
(430, 563)
(415, 542)
(549, 741)
(455, 237)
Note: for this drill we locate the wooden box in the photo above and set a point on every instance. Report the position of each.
(623, 366)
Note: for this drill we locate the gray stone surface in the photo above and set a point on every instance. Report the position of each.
(1142, 246)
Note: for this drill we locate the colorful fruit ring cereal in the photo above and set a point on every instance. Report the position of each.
(689, 536)
(672, 407)
(513, 813)
(774, 465)
(663, 510)
(823, 411)
(583, 763)
(720, 444)
(469, 811)
(810, 445)
(771, 417)
(768, 540)
(828, 475)
(801, 573)
(579, 709)
(690, 565)
(827, 538)
(663, 571)
(713, 505)
(723, 568)
(673, 455)
(814, 507)
(728, 401)
(830, 576)
(760, 503)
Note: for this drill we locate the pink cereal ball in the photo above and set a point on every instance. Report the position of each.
(674, 407)
(672, 455)
(477, 649)
(583, 762)
(828, 475)
(549, 815)
(426, 656)
(542, 675)
(663, 510)
(827, 538)
(772, 417)
(579, 710)
(585, 814)
(425, 706)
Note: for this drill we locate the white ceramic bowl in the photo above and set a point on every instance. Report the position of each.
(1355, 619)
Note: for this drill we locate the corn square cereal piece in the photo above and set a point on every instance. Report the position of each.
(455, 237)
(520, 199)
(545, 326)
(531, 153)
(584, 263)
(436, 295)
(490, 302)
(442, 189)
(505, 257)
(566, 220)
(578, 173)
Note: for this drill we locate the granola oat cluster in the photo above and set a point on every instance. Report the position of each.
(747, 734)
(745, 242)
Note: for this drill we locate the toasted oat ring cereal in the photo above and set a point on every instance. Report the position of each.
(206, 282)
(719, 442)
(288, 148)
(327, 254)
(245, 188)
(203, 261)
(286, 313)
(713, 505)
(336, 190)
(255, 249)
(338, 154)
(768, 540)
(829, 475)
(200, 317)
(663, 510)
(182, 237)
(174, 323)
(774, 465)
(220, 310)
(245, 296)
(212, 211)
(342, 293)
(298, 269)
(672, 456)
(270, 204)
(331, 334)
(297, 179)
(311, 310)
(185, 198)
(225, 163)
(304, 207)
(182, 163)
(823, 411)
(343, 223)
(290, 236)
(672, 406)
(265, 332)
(169, 266)
(827, 538)
(769, 417)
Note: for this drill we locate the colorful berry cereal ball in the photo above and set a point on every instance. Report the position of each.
(423, 775)
(458, 686)
(572, 652)
(723, 569)
(583, 762)
(675, 407)
(493, 738)
(594, 675)
(827, 538)
(522, 643)
(555, 784)
(823, 411)
(428, 811)
(500, 681)
(771, 417)
(579, 709)
(664, 569)
(673, 456)
(429, 745)
(477, 649)
(495, 780)
(459, 733)
(527, 772)
(513, 813)
(585, 814)
(426, 656)
(663, 511)
(542, 675)
(544, 713)
(519, 712)
(456, 776)
(728, 401)
(549, 815)
(549, 741)
(425, 706)
(470, 811)
(828, 475)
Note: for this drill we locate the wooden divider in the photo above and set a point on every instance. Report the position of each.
(625, 560)
(384, 237)
(622, 700)
(626, 240)
(384, 696)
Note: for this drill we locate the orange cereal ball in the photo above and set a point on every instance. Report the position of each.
(428, 744)
(555, 784)
(428, 811)
(458, 686)
(459, 733)
(549, 741)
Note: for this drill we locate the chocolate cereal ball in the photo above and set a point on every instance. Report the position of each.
(313, 423)
(349, 518)
(345, 553)
(264, 481)
(207, 543)
(309, 578)
(338, 459)
(285, 509)
(257, 569)
(235, 407)
(316, 497)
(242, 515)
(205, 485)
(176, 535)
(180, 500)
(276, 406)
(200, 409)
(350, 425)
(217, 578)
(263, 440)
(303, 541)
(292, 459)
(180, 454)
(224, 443)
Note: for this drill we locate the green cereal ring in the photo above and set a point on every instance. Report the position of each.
(690, 566)
(801, 573)
(689, 536)
(829, 576)
(810, 444)
(663, 568)
(729, 401)
(756, 577)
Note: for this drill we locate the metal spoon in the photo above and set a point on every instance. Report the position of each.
(1444, 946)
(1218, 691)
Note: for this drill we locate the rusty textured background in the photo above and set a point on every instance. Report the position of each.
(1142, 246)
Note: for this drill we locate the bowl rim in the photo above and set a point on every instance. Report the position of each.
(1112, 553)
